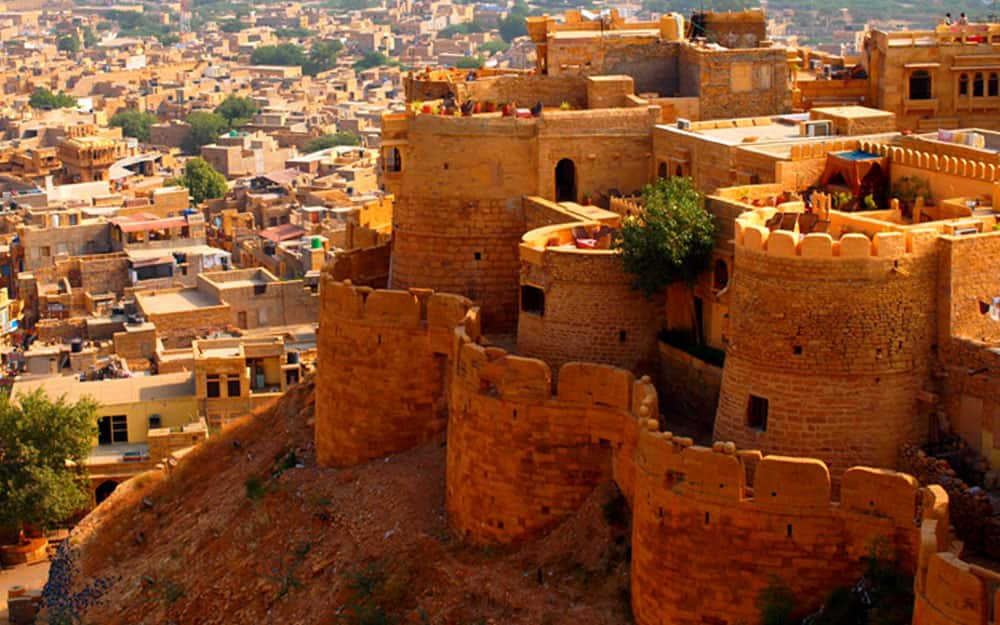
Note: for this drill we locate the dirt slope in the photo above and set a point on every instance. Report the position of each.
(248, 530)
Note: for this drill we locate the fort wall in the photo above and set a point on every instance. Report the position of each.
(398, 341)
(524, 453)
(871, 326)
(459, 215)
(589, 310)
(948, 590)
(700, 523)
(522, 458)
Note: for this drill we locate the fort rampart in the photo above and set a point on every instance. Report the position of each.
(819, 316)
(584, 306)
(711, 526)
(397, 341)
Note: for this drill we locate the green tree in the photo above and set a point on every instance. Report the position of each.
(38, 436)
(322, 57)
(671, 240)
(231, 26)
(513, 26)
(492, 47)
(464, 28)
(286, 54)
(69, 43)
(205, 128)
(469, 62)
(329, 141)
(202, 180)
(89, 38)
(168, 39)
(133, 123)
(237, 110)
(372, 59)
(43, 98)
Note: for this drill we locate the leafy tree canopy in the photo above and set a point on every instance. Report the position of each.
(329, 141)
(285, 54)
(206, 127)
(322, 56)
(202, 180)
(671, 240)
(492, 47)
(43, 98)
(237, 110)
(133, 123)
(69, 43)
(513, 26)
(469, 62)
(460, 29)
(37, 436)
(372, 59)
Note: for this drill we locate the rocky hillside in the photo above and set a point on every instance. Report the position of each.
(247, 529)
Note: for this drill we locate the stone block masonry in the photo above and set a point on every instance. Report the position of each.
(711, 526)
(383, 369)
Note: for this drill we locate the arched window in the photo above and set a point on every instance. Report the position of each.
(993, 86)
(104, 490)
(720, 279)
(977, 86)
(662, 172)
(920, 85)
(565, 181)
(393, 160)
(963, 85)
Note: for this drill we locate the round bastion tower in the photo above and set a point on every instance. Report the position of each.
(457, 220)
(832, 344)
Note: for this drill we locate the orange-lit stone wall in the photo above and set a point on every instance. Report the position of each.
(382, 369)
(591, 312)
(836, 337)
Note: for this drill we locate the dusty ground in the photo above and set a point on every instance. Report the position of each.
(31, 576)
(248, 530)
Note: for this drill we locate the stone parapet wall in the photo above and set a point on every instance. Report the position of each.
(396, 341)
(521, 457)
(523, 454)
(591, 312)
(832, 346)
(949, 590)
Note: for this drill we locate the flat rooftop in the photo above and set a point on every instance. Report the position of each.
(177, 301)
(112, 391)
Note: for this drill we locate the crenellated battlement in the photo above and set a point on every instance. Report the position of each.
(525, 450)
(413, 308)
(949, 590)
(753, 235)
(938, 163)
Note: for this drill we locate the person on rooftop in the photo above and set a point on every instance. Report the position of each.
(947, 19)
(963, 20)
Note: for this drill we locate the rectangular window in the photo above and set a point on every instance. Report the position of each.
(741, 77)
(155, 421)
(212, 388)
(757, 413)
(532, 300)
(112, 429)
(233, 388)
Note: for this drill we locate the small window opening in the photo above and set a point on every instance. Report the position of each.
(532, 300)
(757, 413)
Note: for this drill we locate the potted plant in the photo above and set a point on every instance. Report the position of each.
(490, 106)
(476, 108)
(586, 199)
(417, 106)
(507, 109)
(427, 109)
(565, 106)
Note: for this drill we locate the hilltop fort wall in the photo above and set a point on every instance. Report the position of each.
(584, 306)
(460, 216)
(399, 341)
(524, 453)
(819, 317)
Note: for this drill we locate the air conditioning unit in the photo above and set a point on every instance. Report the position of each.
(817, 128)
(683, 124)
